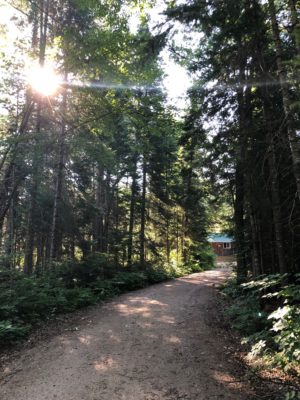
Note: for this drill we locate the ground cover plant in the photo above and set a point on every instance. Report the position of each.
(265, 310)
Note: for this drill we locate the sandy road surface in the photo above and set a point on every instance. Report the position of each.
(152, 344)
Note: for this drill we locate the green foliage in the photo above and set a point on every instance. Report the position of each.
(156, 275)
(26, 301)
(79, 297)
(86, 271)
(293, 395)
(129, 281)
(266, 311)
(286, 328)
(104, 289)
(247, 316)
(12, 332)
(202, 255)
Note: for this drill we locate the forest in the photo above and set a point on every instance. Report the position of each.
(106, 187)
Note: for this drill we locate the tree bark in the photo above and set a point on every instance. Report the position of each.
(143, 213)
(98, 219)
(290, 123)
(275, 192)
(240, 183)
(55, 236)
(295, 24)
(132, 212)
(7, 190)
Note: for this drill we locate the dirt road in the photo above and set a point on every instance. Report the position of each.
(153, 344)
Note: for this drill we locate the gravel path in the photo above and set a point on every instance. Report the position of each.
(157, 343)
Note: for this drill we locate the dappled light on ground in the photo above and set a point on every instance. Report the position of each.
(105, 364)
(85, 339)
(157, 343)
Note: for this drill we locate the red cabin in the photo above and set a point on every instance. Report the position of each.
(222, 244)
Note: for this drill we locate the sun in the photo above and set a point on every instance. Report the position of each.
(43, 79)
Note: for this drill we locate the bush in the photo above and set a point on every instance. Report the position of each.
(79, 297)
(203, 256)
(85, 272)
(126, 281)
(155, 275)
(104, 289)
(12, 332)
(247, 317)
(266, 311)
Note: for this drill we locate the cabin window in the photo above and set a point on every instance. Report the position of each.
(226, 245)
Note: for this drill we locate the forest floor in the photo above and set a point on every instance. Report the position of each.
(165, 342)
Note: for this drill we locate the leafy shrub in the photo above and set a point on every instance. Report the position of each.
(104, 289)
(266, 311)
(286, 325)
(12, 332)
(292, 395)
(80, 297)
(86, 271)
(156, 275)
(247, 317)
(126, 281)
(203, 256)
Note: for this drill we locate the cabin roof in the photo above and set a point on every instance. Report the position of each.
(220, 238)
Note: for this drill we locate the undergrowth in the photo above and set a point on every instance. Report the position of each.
(266, 312)
(26, 301)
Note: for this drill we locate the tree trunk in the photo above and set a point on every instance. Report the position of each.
(117, 222)
(239, 223)
(240, 183)
(98, 219)
(295, 24)
(55, 237)
(275, 192)
(132, 212)
(7, 191)
(10, 231)
(143, 213)
(290, 123)
(36, 167)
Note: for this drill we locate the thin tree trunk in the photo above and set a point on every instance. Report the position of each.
(177, 238)
(255, 244)
(108, 201)
(117, 221)
(98, 220)
(239, 223)
(10, 231)
(143, 214)
(30, 231)
(132, 212)
(168, 250)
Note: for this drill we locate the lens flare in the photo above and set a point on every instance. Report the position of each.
(43, 79)
(110, 85)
